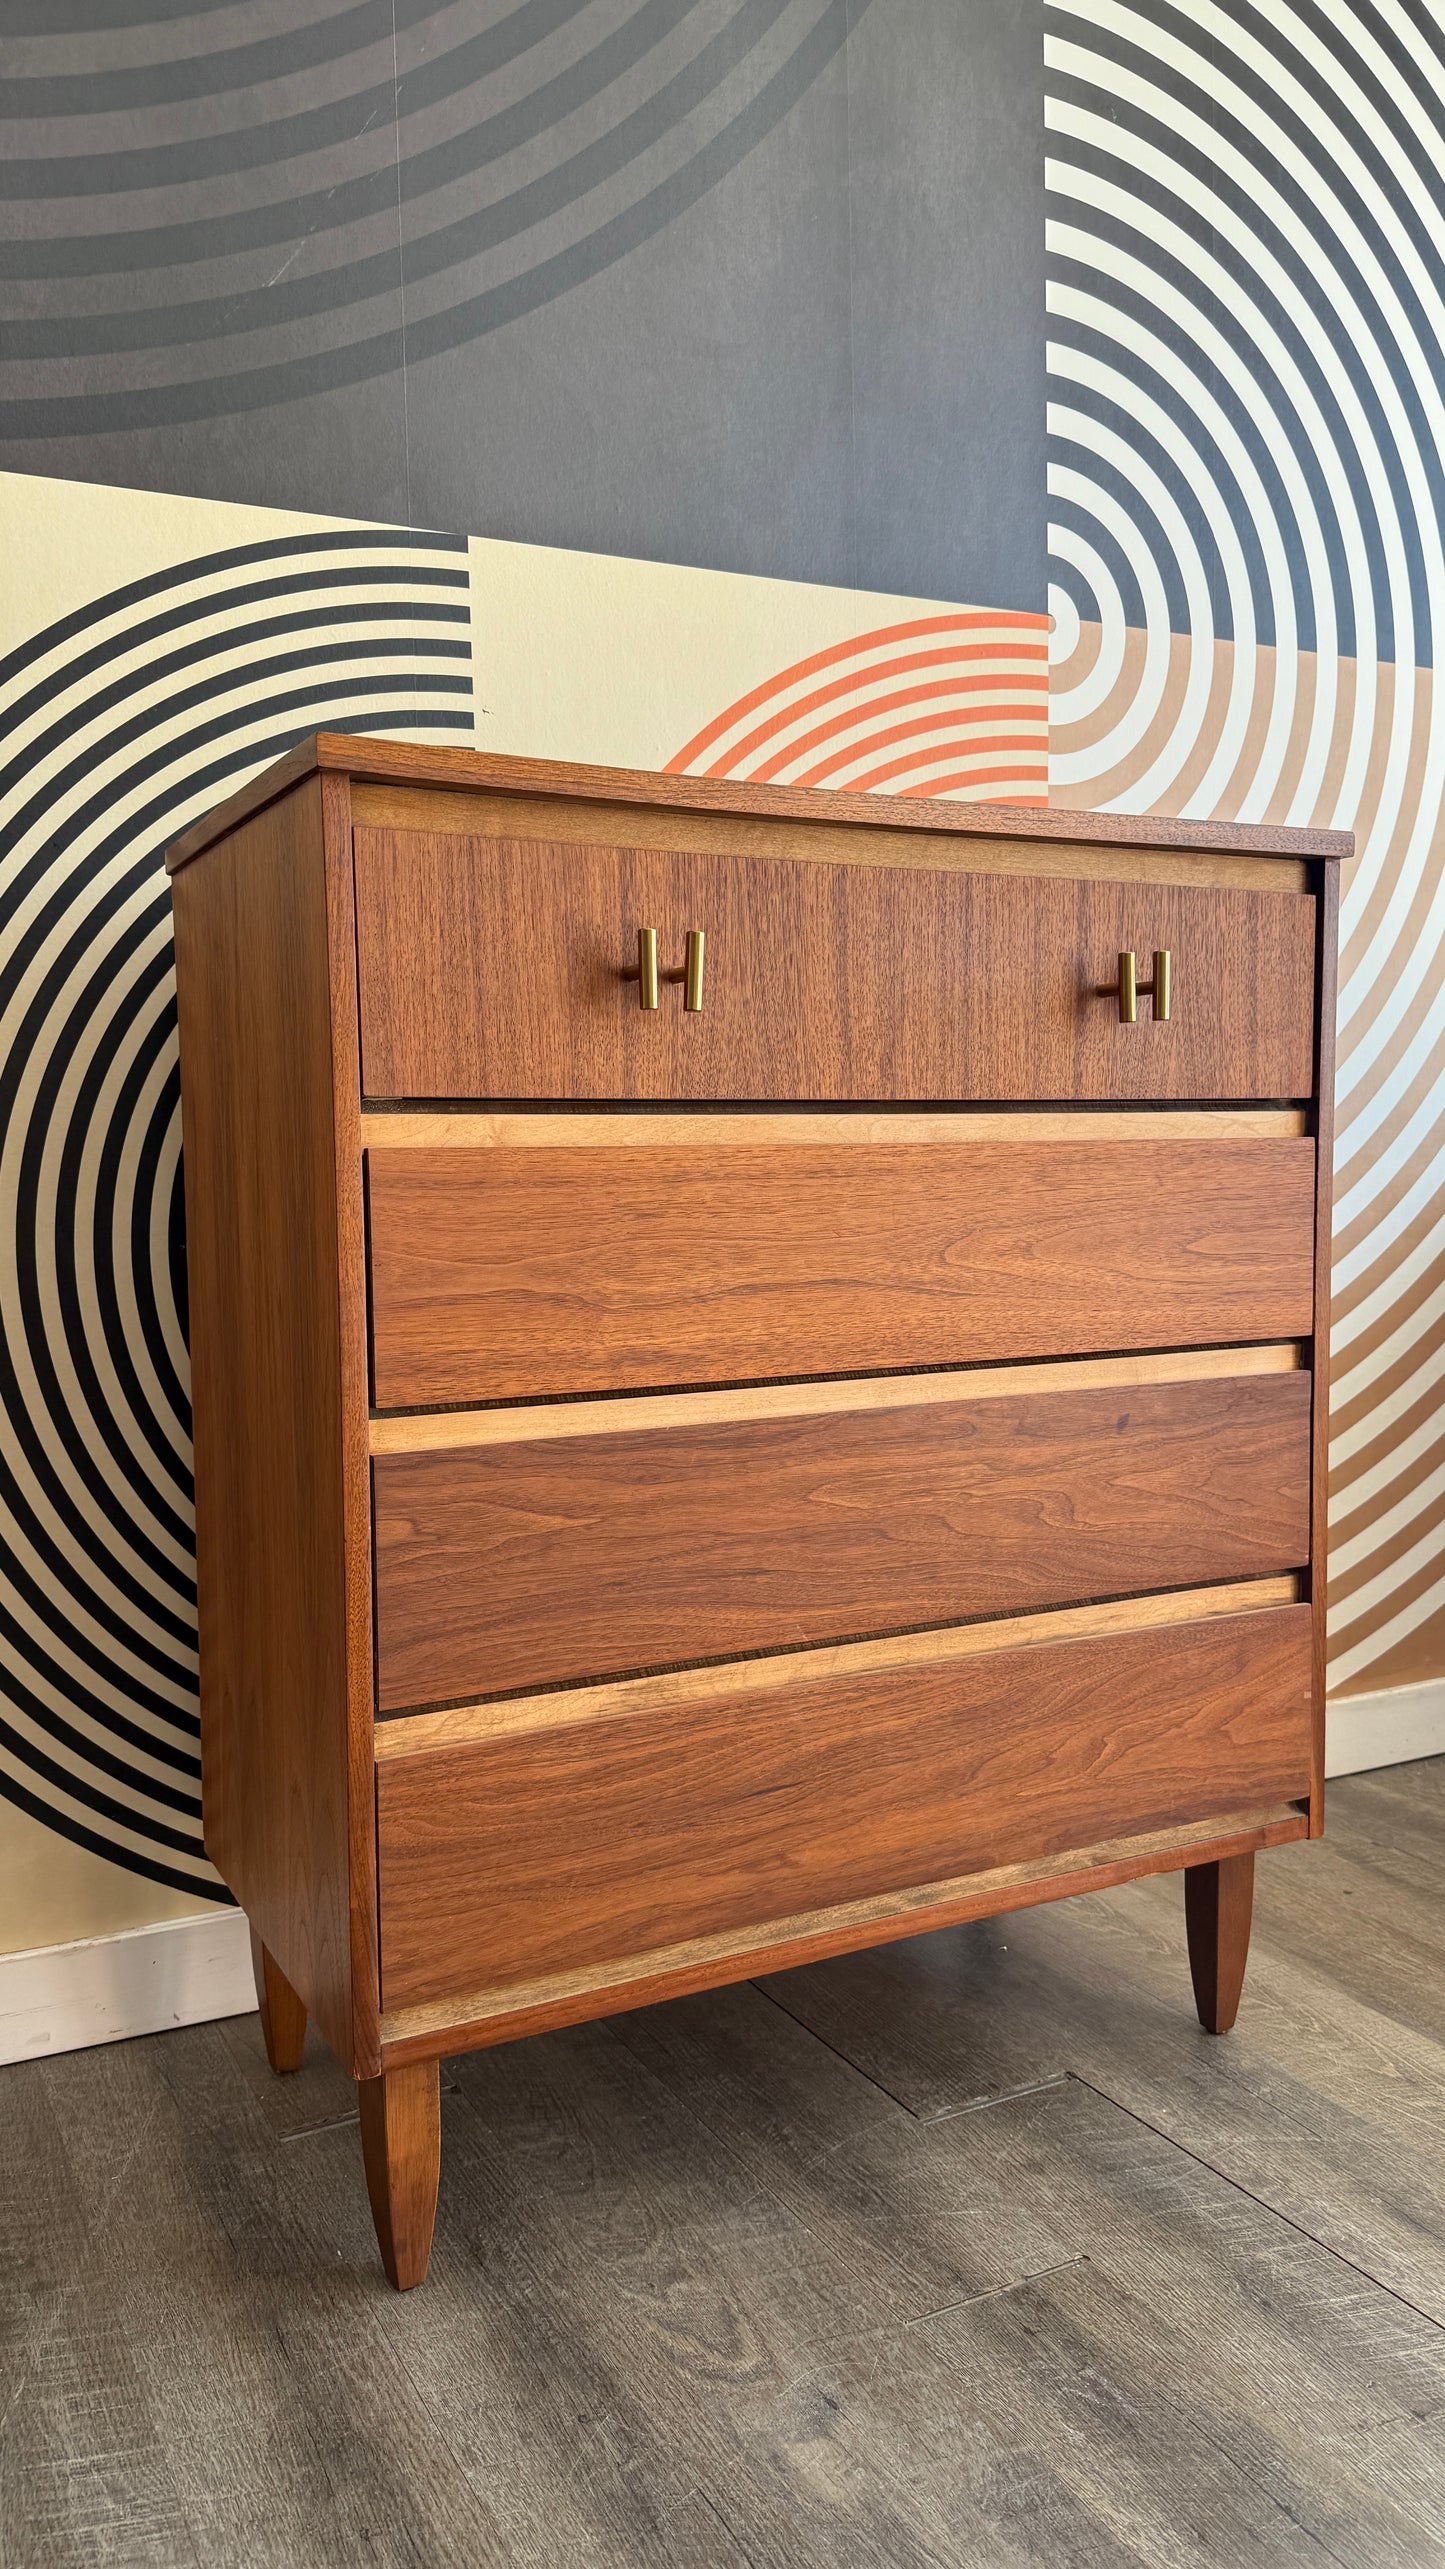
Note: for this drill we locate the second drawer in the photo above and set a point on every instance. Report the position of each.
(546, 1546)
(525, 1256)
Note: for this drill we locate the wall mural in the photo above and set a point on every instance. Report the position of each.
(748, 392)
(127, 716)
(123, 719)
(754, 284)
(666, 124)
(948, 705)
(1247, 495)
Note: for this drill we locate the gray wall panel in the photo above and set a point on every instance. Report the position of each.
(750, 283)
(946, 205)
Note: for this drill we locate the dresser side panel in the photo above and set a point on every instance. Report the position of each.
(253, 979)
(351, 1256)
(1326, 1004)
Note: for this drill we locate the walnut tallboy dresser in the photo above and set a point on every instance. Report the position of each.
(759, 1383)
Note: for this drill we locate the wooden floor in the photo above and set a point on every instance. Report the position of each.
(971, 2251)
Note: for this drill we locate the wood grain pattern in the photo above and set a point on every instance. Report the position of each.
(527, 1565)
(1323, 1117)
(519, 1856)
(683, 1689)
(253, 967)
(838, 835)
(479, 2018)
(511, 1274)
(283, 2018)
(438, 1431)
(495, 968)
(469, 770)
(401, 2145)
(452, 1128)
(354, 1360)
(1046, 1355)
(1218, 1905)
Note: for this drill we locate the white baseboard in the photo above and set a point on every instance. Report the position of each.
(60, 1998)
(1362, 1731)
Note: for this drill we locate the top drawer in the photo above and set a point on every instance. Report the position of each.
(494, 968)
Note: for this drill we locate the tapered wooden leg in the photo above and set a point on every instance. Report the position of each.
(283, 2018)
(1218, 1900)
(401, 2141)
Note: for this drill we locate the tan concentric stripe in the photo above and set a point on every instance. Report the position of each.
(1387, 1581)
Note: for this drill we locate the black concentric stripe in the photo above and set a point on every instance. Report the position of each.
(137, 728)
(36, 95)
(1139, 243)
(209, 567)
(271, 140)
(52, 1815)
(1066, 512)
(361, 280)
(77, 1784)
(1316, 65)
(262, 384)
(151, 1715)
(162, 1121)
(93, 1000)
(1358, 468)
(1169, 389)
(99, 1634)
(114, 1010)
(351, 201)
(1316, 143)
(81, 1749)
(1183, 471)
(319, 621)
(318, 656)
(38, 1441)
(1068, 516)
(1366, 351)
(1353, 366)
(1301, 211)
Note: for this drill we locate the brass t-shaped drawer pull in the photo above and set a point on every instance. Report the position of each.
(688, 972)
(1132, 989)
(692, 972)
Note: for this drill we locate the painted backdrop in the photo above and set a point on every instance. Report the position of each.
(778, 368)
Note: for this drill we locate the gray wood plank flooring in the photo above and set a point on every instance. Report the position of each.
(970, 2253)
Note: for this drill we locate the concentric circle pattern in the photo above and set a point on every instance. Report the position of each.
(120, 723)
(1247, 494)
(288, 230)
(951, 704)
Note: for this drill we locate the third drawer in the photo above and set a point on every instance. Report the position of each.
(533, 1548)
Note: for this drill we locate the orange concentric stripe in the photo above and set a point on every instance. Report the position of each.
(979, 715)
(899, 666)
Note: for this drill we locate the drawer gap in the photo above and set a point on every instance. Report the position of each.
(1028, 1624)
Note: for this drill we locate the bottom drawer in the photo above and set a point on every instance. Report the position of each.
(528, 1838)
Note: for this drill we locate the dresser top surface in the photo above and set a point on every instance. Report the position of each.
(459, 770)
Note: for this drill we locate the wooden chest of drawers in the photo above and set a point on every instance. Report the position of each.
(722, 1446)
